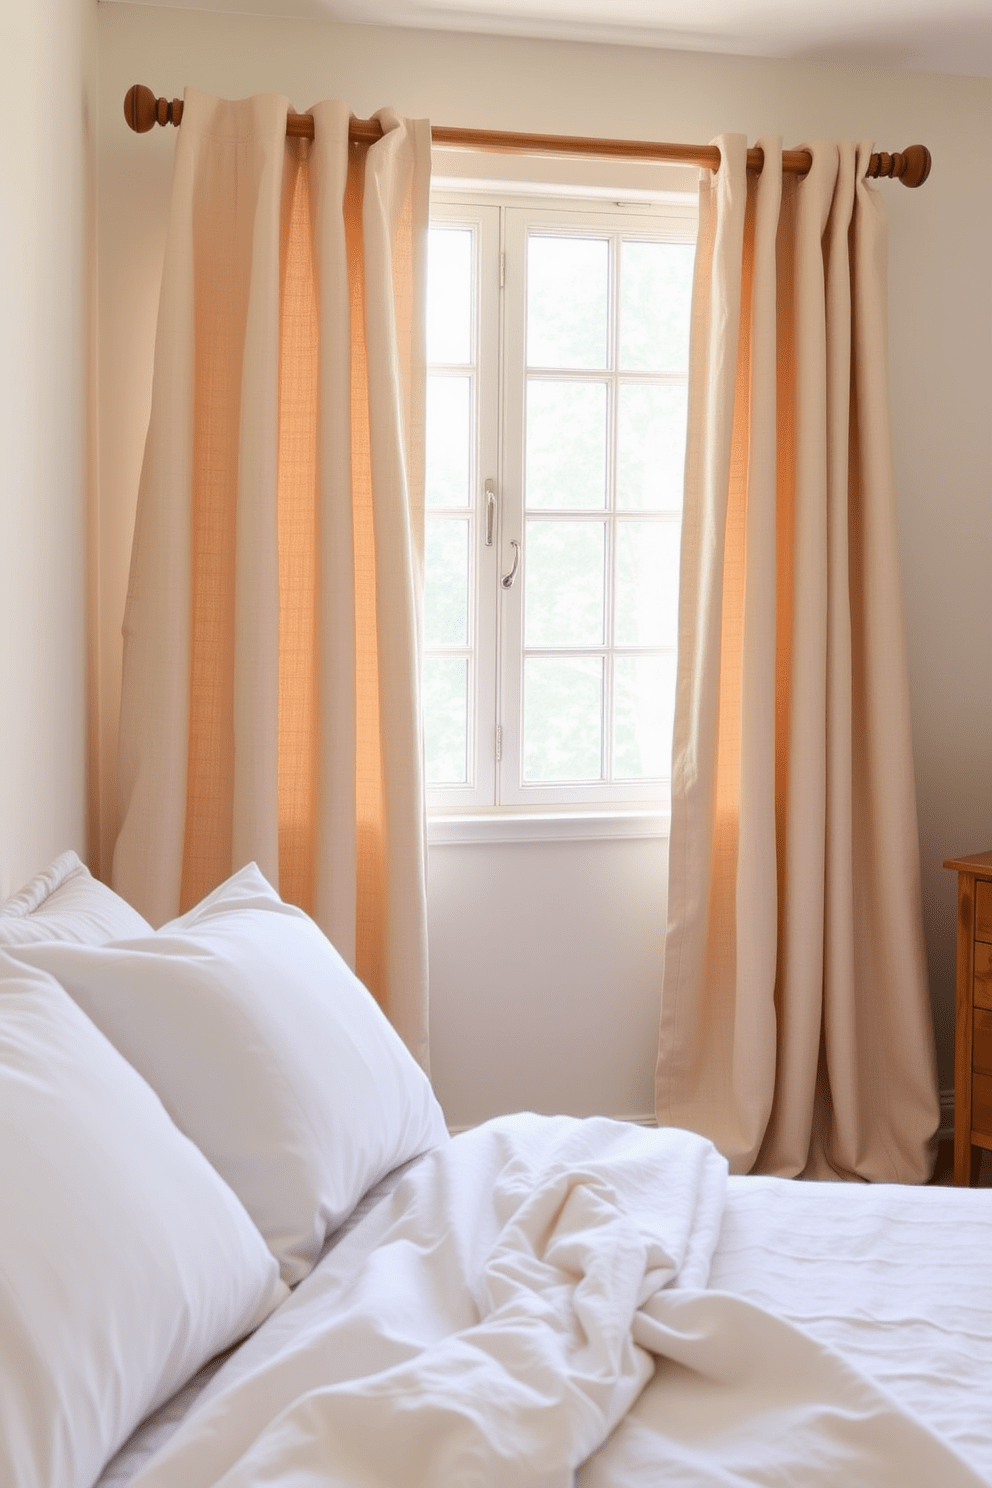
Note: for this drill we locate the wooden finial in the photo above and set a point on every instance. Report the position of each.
(916, 166)
(910, 166)
(143, 110)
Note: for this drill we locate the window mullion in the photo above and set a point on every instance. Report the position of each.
(478, 789)
(512, 392)
(609, 615)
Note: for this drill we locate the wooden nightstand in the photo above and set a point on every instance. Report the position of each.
(973, 1015)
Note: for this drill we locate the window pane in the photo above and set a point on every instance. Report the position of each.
(643, 700)
(445, 719)
(567, 299)
(563, 718)
(563, 595)
(446, 582)
(449, 294)
(647, 583)
(655, 295)
(566, 444)
(448, 440)
(650, 446)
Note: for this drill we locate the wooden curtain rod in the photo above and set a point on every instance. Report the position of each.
(143, 111)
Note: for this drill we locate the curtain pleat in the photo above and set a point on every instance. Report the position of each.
(299, 642)
(397, 185)
(795, 1023)
(335, 190)
(271, 704)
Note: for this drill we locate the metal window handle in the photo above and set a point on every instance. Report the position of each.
(508, 578)
(490, 510)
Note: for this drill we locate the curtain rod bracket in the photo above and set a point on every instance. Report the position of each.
(143, 111)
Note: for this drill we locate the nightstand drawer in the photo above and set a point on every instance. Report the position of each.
(973, 1015)
(981, 1104)
(981, 1049)
(983, 910)
(983, 974)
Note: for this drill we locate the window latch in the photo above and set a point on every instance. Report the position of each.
(508, 578)
(490, 510)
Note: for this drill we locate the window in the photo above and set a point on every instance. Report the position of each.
(558, 355)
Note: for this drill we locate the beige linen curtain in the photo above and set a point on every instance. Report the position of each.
(271, 695)
(795, 1022)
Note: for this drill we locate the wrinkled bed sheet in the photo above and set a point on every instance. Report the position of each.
(541, 1280)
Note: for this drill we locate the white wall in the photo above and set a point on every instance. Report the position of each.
(47, 155)
(546, 962)
(547, 959)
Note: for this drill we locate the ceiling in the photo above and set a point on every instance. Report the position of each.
(952, 36)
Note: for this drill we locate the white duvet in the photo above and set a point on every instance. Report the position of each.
(520, 1295)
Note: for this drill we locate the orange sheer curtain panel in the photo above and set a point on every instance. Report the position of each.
(270, 701)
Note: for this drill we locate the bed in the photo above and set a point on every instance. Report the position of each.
(256, 1258)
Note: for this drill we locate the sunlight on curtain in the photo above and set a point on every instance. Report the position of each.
(271, 691)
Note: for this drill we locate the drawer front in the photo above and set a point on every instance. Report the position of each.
(983, 975)
(983, 909)
(981, 1104)
(981, 1055)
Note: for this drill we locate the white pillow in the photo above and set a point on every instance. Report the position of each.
(267, 1051)
(125, 1261)
(66, 903)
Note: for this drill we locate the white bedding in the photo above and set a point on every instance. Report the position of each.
(845, 1339)
(897, 1279)
(845, 1334)
(490, 1323)
(161, 1426)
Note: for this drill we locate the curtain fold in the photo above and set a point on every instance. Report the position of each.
(271, 691)
(795, 1023)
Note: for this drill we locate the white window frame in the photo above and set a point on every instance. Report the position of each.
(482, 218)
(495, 787)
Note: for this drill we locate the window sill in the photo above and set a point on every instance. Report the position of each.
(547, 826)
